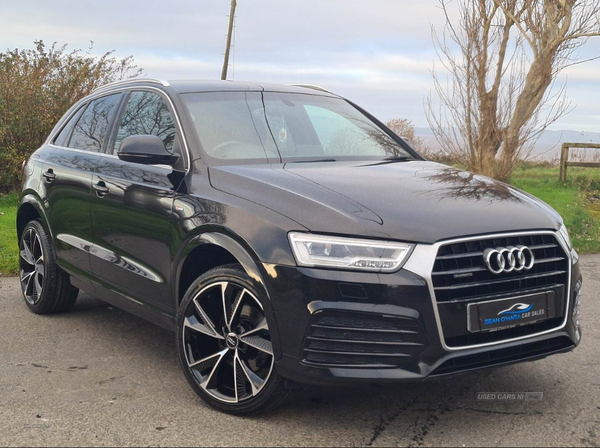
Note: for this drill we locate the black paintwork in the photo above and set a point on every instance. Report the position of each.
(124, 230)
(401, 201)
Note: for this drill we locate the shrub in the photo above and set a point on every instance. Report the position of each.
(37, 86)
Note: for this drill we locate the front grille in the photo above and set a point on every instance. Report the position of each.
(460, 277)
(460, 273)
(504, 356)
(348, 339)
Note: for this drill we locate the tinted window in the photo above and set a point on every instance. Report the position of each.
(91, 131)
(147, 113)
(62, 139)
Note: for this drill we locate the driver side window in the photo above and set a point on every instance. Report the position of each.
(147, 113)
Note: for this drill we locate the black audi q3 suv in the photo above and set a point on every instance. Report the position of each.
(288, 237)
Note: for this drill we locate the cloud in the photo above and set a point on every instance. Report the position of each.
(377, 53)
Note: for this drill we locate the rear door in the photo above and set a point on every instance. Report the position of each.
(132, 206)
(67, 175)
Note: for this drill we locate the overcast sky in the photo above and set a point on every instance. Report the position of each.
(377, 53)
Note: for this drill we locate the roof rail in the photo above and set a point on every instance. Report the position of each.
(311, 86)
(132, 80)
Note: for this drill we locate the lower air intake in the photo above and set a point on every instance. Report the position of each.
(346, 339)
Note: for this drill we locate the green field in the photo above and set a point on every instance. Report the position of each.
(9, 251)
(578, 201)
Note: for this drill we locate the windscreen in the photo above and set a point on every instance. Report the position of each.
(268, 126)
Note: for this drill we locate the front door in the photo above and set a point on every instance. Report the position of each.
(132, 206)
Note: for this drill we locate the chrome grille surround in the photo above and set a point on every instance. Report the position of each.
(423, 259)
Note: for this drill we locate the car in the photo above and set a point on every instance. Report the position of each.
(288, 238)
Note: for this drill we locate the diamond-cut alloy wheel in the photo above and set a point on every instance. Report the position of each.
(46, 288)
(227, 342)
(32, 266)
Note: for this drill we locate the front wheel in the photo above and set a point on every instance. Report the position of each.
(224, 344)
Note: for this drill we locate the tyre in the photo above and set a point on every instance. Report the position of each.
(46, 288)
(225, 346)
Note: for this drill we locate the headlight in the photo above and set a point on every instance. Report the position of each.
(565, 234)
(348, 253)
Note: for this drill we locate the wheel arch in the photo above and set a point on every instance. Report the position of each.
(30, 208)
(240, 253)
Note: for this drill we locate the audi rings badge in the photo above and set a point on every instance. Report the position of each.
(508, 259)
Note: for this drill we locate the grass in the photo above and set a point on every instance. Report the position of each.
(9, 250)
(578, 201)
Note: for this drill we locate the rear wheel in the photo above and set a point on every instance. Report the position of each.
(46, 288)
(225, 346)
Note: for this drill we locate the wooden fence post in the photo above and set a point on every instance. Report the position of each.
(564, 158)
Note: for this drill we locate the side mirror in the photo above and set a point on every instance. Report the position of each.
(147, 150)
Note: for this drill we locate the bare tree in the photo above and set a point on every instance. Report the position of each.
(502, 58)
(405, 128)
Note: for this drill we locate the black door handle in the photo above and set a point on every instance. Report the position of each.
(49, 175)
(101, 189)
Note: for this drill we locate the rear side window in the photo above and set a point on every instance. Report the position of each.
(62, 139)
(147, 113)
(92, 129)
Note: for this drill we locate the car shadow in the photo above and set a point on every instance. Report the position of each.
(118, 323)
(370, 410)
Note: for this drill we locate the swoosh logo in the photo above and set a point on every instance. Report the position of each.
(517, 308)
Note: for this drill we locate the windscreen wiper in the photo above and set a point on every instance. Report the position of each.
(314, 161)
(398, 159)
(389, 160)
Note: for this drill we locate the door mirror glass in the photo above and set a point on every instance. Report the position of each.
(147, 150)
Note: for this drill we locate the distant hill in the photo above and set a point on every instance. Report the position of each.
(547, 147)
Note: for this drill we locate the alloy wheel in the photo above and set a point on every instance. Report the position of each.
(227, 343)
(32, 266)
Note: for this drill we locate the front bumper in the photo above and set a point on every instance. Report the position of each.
(300, 295)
